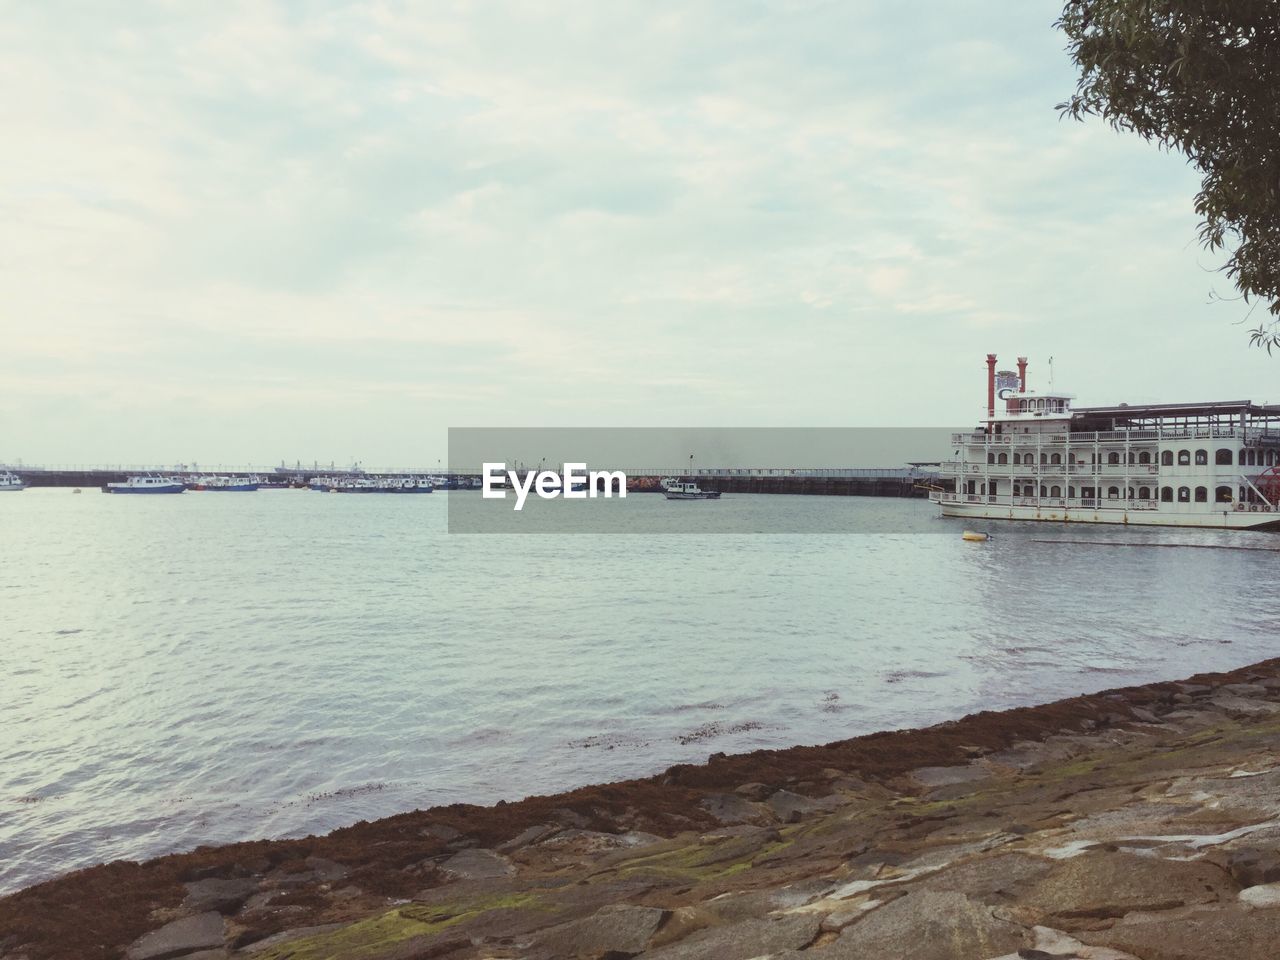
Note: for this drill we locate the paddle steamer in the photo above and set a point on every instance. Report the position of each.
(1035, 457)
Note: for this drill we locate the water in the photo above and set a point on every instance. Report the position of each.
(208, 668)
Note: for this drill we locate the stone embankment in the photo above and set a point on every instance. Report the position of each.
(1140, 823)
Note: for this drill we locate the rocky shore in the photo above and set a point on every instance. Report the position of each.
(1136, 823)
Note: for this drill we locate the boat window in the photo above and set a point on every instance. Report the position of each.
(1243, 454)
(1144, 457)
(1055, 458)
(1044, 458)
(1202, 494)
(1166, 458)
(1252, 462)
(1222, 495)
(1003, 458)
(1223, 457)
(1071, 492)
(1113, 458)
(1017, 458)
(1184, 458)
(1202, 458)
(1043, 491)
(1071, 458)
(1144, 493)
(1055, 491)
(1113, 493)
(1184, 494)
(1166, 494)
(991, 457)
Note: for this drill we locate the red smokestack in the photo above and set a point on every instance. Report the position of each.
(991, 384)
(1022, 374)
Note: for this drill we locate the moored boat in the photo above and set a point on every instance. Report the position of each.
(226, 484)
(11, 482)
(148, 483)
(1034, 457)
(688, 490)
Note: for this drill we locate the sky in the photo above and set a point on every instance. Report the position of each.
(241, 232)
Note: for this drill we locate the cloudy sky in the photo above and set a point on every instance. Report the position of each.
(241, 232)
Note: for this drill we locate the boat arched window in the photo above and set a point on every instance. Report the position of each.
(1184, 494)
(1071, 458)
(1166, 494)
(1144, 457)
(1113, 493)
(1222, 495)
(1223, 457)
(1132, 457)
(991, 457)
(1055, 491)
(1144, 493)
(1043, 491)
(1243, 454)
(1202, 458)
(1003, 458)
(1044, 458)
(1252, 462)
(1113, 458)
(1166, 458)
(1202, 494)
(1184, 458)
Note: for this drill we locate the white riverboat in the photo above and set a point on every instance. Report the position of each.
(1034, 457)
(11, 482)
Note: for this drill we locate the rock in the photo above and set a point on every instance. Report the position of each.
(1243, 706)
(945, 776)
(929, 925)
(441, 831)
(285, 936)
(478, 864)
(1100, 884)
(532, 835)
(204, 931)
(326, 871)
(1251, 866)
(618, 929)
(1244, 689)
(992, 879)
(1145, 715)
(219, 895)
(752, 791)
(1263, 895)
(1237, 934)
(791, 807)
(730, 808)
(742, 941)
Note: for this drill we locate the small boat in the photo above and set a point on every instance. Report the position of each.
(974, 536)
(147, 484)
(688, 490)
(11, 481)
(227, 484)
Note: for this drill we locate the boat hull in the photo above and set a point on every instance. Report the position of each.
(708, 495)
(172, 488)
(12, 487)
(1217, 519)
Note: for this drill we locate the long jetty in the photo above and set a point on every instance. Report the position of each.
(914, 480)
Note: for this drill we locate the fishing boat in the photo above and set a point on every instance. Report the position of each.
(1036, 457)
(148, 483)
(688, 490)
(373, 484)
(11, 481)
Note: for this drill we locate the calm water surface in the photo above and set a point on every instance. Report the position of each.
(208, 668)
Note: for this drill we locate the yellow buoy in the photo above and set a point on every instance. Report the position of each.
(974, 536)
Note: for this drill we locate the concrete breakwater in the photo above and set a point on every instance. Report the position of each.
(1135, 823)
